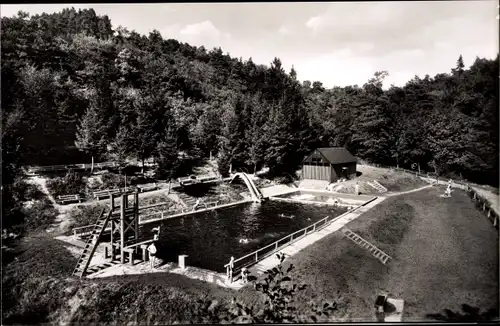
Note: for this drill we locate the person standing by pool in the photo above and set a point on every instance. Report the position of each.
(152, 253)
(230, 268)
(356, 188)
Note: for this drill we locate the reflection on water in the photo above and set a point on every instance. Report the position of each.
(211, 238)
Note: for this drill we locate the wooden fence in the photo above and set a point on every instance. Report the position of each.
(84, 166)
(483, 204)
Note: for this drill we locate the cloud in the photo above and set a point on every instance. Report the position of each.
(315, 22)
(392, 26)
(203, 33)
(283, 30)
(203, 28)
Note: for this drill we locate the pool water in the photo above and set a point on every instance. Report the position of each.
(211, 238)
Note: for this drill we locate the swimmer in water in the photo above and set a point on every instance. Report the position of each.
(244, 240)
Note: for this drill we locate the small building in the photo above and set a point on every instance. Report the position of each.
(329, 164)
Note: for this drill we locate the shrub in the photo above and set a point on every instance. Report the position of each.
(72, 183)
(27, 191)
(85, 214)
(112, 181)
(40, 215)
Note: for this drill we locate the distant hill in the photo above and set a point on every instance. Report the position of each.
(71, 86)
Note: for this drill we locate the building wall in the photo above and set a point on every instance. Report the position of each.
(315, 158)
(317, 171)
(337, 170)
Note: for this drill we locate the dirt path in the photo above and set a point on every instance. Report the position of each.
(62, 221)
(407, 192)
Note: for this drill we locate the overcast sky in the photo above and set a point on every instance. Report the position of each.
(336, 43)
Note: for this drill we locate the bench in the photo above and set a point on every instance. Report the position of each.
(68, 198)
(107, 193)
(187, 182)
(143, 188)
(206, 179)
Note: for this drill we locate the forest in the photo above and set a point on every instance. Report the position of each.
(74, 89)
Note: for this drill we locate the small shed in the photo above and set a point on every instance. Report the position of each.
(329, 164)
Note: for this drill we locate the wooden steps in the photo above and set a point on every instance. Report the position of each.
(377, 186)
(91, 245)
(376, 252)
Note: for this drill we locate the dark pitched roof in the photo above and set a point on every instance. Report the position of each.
(337, 155)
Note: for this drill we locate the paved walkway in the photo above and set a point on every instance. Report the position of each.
(276, 190)
(295, 247)
(407, 192)
(190, 271)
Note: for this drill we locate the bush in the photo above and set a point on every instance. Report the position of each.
(27, 191)
(113, 181)
(71, 184)
(40, 215)
(83, 215)
(139, 180)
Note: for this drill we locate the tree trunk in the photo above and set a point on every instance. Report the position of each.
(254, 168)
(92, 165)
(142, 169)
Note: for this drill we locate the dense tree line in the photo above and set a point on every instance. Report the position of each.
(73, 88)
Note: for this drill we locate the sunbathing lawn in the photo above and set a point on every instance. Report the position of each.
(445, 254)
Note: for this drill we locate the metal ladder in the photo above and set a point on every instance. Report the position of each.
(376, 252)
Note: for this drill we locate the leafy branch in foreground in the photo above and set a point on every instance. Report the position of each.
(279, 292)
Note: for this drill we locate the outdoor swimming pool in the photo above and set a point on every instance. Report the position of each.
(211, 238)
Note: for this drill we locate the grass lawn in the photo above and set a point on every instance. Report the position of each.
(445, 254)
(394, 181)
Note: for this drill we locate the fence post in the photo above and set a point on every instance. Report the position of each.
(256, 257)
(276, 246)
